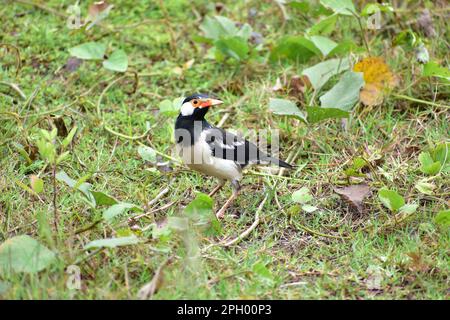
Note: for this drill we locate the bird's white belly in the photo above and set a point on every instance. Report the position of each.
(199, 157)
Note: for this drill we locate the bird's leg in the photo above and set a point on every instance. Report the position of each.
(236, 187)
(217, 188)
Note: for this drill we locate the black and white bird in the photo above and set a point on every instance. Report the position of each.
(213, 151)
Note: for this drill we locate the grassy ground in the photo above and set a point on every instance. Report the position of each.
(332, 253)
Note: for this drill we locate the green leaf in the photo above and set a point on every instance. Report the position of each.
(37, 184)
(344, 47)
(324, 26)
(294, 48)
(286, 108)
(443, 218)
(261, 270)
(83, 187)
(302, 6)
(119, 208)
(147, 153)
(345, 93)
(441, 153)
(22, 152)
(200, 210)
(46, 150)
(425, 187)
(320, 73)
(391, 199)
(202, 205)
(67, 140)
(89, 51)
(324, 44)
(407, 38)
(112, 242)
(308, 208)
(117, 61)
(24, 254)
(317, 114)
(372, 8)
(169, 108)
(102, 199)
(409, 208)
(63, 156)
(433, 69)
(302, 196)
(344, 7)
(234, 47)
(428, 165)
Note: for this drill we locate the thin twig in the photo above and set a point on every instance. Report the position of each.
(251, 228)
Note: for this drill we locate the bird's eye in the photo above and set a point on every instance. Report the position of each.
(195, 102)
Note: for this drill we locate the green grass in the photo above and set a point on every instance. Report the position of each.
(279, 259)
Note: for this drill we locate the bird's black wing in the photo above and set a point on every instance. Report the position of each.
(228, 146)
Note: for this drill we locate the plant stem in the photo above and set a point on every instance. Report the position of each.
(401, 96)
(55, 209)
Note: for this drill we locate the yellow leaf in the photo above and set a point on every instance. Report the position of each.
(377, 77)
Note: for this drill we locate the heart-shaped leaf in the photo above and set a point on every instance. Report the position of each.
(89, 51)
(294, 48)
(302, 196)
(320, 73)
(147, 153)
(391, 199)
(345, 93)
(117, 61)
(344, 7)
(285, 108)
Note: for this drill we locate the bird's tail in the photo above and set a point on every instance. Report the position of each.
(281, 163)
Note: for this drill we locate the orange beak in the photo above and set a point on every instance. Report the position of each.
(210, 102)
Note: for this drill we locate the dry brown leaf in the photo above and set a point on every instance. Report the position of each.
(417, 263)
(354, 195)
(149, 289)
(298, 85)
(371, 95)
(97, 7)
(378, 79)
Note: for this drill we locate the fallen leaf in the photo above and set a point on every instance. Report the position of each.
(149, 289)
(417, 263)
(377, 77)
(97, 12)
(354, 195)
(298, 85)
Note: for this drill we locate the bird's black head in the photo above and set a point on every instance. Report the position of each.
(197, 105)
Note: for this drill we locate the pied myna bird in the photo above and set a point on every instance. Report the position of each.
(213, 151)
